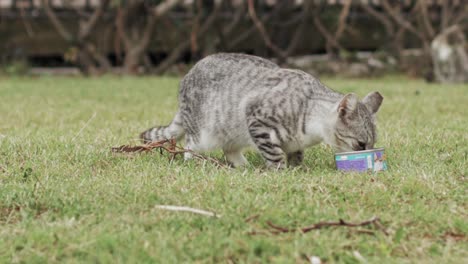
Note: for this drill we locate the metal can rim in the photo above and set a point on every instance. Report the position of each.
(359, 152)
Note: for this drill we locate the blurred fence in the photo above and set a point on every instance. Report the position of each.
(12, 4)
(152, 35)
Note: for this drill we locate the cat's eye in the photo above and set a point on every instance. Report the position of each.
(362, 145)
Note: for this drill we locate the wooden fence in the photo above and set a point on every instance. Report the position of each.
(32, 4)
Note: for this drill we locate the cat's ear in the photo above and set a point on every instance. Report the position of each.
(347, 105)
(373, 101)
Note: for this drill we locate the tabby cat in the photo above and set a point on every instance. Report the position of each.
(233, 101)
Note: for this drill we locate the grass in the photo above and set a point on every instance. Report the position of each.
(64, 197)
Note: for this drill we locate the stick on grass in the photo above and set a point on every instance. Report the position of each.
(84, 126)
(187, 209)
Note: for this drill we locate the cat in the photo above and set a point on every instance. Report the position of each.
(232, 101)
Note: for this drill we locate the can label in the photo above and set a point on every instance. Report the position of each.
(369, 161)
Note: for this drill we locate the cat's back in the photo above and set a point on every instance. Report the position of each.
(230, 61)
(226, 70)
(235, 77)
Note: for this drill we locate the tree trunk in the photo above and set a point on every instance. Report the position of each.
(132, 61)
(135, 32)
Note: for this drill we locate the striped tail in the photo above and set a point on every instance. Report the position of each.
(174, 130)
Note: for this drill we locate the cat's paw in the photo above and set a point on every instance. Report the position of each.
(295, 159)
(276, 165)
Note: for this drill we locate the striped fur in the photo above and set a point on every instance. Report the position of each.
(233, 101)
(173, 130)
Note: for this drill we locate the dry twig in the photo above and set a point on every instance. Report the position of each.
(275, 229)
(251, 218)
(169, 146)
(454, 236)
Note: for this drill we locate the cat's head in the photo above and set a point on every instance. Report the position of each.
(355, 127)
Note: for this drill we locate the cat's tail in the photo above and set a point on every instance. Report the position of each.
(173, 130)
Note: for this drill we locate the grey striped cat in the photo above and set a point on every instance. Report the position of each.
(233, 101)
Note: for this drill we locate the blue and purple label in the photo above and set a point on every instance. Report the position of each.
(367, 161)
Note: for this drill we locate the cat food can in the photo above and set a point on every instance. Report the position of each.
(365, 160)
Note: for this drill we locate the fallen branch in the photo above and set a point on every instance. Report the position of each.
(454, 236)
(275, 229)
(252, 217)
(147, 147)
(187, 209)
(169, 146)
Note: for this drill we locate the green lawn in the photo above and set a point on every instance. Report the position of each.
(65, 197)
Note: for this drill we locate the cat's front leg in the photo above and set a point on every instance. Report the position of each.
(295, 158)
(276, 165)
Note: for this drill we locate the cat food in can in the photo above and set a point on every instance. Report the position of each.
(365, 160)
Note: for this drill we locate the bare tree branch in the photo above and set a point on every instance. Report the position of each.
(261, 29)
(252, 29)
(97, 56)
(164, 7)
(144, 42)
(400, 20)
(342, 19)
(88, 56)
(137, 37)
(398, 42)
(158, 11)
(26, 23)
(462, 15)
(325, 33)
(234, 22)
(175, 54)
(198, 9)
(225, 30)
(425, 18)
(58, 25)
(91, 23)
(444, 16)
(120, 26)
(328, 36)
(382, 18)
(298, 34)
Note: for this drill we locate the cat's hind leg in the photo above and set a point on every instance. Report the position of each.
(235, 157)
